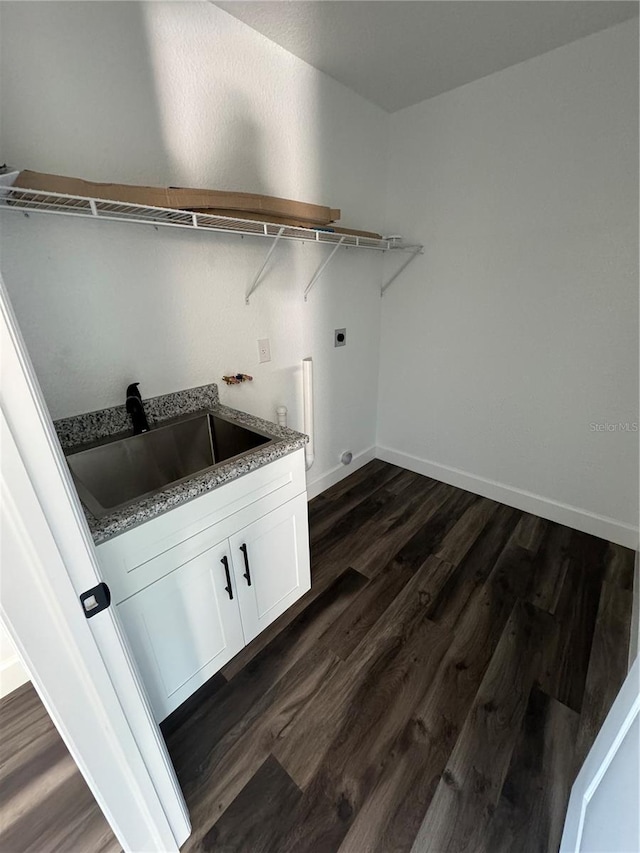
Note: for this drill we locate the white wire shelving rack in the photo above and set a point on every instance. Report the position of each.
(19, 200)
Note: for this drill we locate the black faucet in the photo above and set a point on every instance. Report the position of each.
(136, 410)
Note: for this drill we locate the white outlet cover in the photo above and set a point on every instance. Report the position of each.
(264, 350)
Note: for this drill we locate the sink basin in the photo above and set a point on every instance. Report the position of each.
(112, 475)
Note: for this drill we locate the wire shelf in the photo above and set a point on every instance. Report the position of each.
(23, 200)
(26, 201)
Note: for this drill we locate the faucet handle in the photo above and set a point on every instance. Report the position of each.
(132, 391)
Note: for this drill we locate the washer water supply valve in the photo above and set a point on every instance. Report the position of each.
(237, 379)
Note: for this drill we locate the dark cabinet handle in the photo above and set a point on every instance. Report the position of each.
(247, 574)
(225, 563)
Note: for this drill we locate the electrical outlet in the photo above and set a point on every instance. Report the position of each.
(340, 338)
(264, 350)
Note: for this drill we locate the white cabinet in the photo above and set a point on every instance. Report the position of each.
(184, 627)
(183, 615)
(270, 561)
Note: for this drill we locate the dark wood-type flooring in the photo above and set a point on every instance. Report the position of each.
(439, 686)
(45, 804)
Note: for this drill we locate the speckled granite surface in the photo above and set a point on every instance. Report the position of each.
(84, 429)
(91, 427)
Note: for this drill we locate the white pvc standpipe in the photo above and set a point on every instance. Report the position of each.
(307, 394)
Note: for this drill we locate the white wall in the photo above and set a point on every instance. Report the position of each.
(519, 327)
(612, 822)
(184, 94)
(501, 345)
(12, 673)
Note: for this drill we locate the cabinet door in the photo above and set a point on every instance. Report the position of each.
(184, 627)
(271, 564)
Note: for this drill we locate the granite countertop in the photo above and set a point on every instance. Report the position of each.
(81, 431)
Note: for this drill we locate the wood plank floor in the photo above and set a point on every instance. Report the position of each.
(436, 690)
(45, 804)
(439, 686)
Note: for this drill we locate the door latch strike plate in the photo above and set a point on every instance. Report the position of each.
(95, 600)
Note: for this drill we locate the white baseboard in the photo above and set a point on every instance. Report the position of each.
(571, 516)
(12, 675)
(338, 473)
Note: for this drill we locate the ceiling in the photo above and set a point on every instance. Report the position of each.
(397, 53)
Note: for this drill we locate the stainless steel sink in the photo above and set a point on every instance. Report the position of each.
(114, 474)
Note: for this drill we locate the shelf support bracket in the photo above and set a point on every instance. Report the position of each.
(322, 268)
(256, 280)
(417, 250)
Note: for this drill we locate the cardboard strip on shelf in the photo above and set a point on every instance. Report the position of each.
(180, 198)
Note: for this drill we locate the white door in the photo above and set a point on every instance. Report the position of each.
(271, 564)
(603, 813)
(80, 667)
(184, 628)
